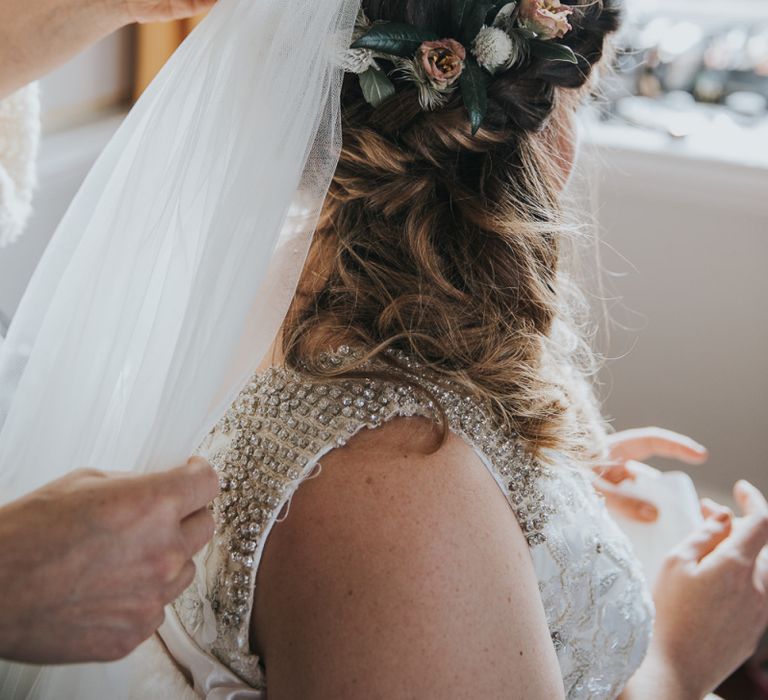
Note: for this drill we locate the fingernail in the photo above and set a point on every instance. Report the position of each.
(649, 512)
(723, 517)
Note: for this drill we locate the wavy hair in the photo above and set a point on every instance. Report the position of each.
(447, 246)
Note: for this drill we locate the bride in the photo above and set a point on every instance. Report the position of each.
(405, 509)
(407, 504)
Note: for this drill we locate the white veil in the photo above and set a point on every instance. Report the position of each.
(169, 276)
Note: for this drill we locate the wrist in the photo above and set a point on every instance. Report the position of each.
(661, 678)
(123, 12)
(113, 14)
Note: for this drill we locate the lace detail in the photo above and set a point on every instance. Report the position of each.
(597, 605)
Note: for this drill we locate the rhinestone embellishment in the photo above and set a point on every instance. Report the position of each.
(279, 425)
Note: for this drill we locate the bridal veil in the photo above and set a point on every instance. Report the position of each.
(168, 278)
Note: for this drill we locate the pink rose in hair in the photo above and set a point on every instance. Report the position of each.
(442, 61)
(548, 18)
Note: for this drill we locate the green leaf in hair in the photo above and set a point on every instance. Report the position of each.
(475, 20)
(395, 39)
(376, 86)
(460, 11)
(474, 91)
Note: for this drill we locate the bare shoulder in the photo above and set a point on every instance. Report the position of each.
(401, 571)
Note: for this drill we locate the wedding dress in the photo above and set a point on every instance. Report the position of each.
(598, 607)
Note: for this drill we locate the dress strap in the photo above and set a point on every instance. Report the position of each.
(272, 440)
(211, 679)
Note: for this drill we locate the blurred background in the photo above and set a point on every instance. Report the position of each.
(677, 159)
(679, 173)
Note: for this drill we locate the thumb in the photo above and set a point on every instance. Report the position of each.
(194, 485)
(706, 538)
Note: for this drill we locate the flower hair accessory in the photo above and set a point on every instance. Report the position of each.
(488, 38)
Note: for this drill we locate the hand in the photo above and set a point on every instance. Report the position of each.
(164, 10)
(38, 35)
(88, 563)
(711, 601)
(627, 450)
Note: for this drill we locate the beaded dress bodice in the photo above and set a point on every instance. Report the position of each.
(597, 604)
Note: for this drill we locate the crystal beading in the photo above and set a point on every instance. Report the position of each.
(271, 439)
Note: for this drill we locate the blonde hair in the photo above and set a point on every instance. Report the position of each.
(446, 246)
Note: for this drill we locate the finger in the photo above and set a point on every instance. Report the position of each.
(749, 498)
(711, 509)
(181, 582)
(615, 473)
(706, 538)
(643, 443)
(761, 567)
(624, 471)
(751, 535)
(762, 562)
(632, 508)
(195, 485)
(197, 530)
(638, 468)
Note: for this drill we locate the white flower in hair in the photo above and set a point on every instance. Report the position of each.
(493, 48)
(357, 60)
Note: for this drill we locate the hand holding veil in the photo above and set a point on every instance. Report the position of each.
(170, 274)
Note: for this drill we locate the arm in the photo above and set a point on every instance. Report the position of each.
(88, 563)
(399, 573)
(38, 35)
(657, 679)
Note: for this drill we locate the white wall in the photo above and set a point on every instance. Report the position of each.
(694, 296)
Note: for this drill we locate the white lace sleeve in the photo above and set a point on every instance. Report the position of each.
(19, 142)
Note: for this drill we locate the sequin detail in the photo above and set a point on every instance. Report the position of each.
(283, 423)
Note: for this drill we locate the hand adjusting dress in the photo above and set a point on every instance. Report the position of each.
(597, 604)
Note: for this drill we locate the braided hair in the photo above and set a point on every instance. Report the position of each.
(446, 245)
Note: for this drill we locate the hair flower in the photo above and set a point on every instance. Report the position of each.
(499, 36)
(442, 61)
(494, 48)
(547, 18)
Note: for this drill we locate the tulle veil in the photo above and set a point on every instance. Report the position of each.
(169, 276)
